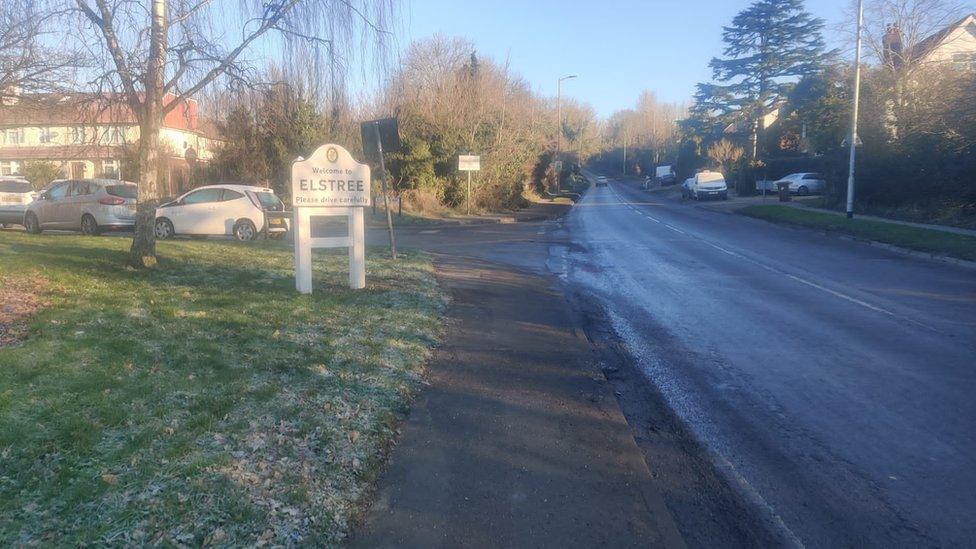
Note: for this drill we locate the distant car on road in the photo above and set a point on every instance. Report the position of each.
(15, 195)
(91, 206)
(244, 211)
(805, 183)
(705, 185)
(601, 181)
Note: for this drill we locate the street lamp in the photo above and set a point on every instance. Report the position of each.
(857, 99)
(559, 117)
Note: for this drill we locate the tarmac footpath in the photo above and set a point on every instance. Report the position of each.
(518, 441)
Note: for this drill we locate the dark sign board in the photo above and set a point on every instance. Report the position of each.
(386, 129)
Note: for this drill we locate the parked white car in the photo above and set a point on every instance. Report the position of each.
(243, 211)
(805, 183)
(15, 195)
(705, 185)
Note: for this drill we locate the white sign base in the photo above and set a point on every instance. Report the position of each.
(304, 243)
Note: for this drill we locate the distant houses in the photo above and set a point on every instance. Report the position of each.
(89, 136)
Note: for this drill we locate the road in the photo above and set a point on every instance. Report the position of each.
(834, 383)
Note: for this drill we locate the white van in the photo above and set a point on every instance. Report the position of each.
(705, 185)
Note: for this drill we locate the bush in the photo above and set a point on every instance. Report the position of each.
(41, 173)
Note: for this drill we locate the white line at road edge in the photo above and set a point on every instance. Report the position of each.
(801, 280)
(726, 469)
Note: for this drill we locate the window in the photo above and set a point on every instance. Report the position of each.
(48, 135)
(231, 195)
(270, 202)
(8, 168)
(123, 191)
(110, 169)
(12, 136)
(76, 135)
(15, 186)
(202, 196)
(113, 135)
(58, 191)
(964, 61)
(80, 188)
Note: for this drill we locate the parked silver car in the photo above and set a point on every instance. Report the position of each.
(15, 194)
(88, 205)
(805, 183)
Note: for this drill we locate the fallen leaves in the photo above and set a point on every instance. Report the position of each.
(19, 300)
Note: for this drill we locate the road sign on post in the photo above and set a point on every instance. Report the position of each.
(381, 136)
(329, 183)
(469, 163)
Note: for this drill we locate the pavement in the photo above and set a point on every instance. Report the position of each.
(518, 440)
(736, 202)
(831, 382)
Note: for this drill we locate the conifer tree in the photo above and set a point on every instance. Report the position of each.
(767, 47)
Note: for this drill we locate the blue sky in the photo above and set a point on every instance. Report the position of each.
(618, 47)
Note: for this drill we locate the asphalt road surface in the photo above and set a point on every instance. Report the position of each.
(834, 383)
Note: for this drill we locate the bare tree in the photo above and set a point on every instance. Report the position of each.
(725, 154)
(912, 21)
(650, 127)
(27, 61)
(159, 57)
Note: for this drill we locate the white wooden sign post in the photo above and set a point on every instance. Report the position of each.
(329, 183)
(469, 163)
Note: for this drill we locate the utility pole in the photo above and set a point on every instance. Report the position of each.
(386, 196)
(857, 100)
(625, 158)
(469, 193)
(559, 122)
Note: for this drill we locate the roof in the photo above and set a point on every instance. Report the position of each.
(235, 187)
(929, 44)
(85, 109)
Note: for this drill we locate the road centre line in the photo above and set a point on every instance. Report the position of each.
(793, 277)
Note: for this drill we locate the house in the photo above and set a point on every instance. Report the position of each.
(772, 115)
(953, 46)
(89, 136)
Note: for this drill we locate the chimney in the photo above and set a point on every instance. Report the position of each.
(893, 46)
(10, 95)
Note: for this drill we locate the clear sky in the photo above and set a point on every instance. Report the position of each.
(618, 47)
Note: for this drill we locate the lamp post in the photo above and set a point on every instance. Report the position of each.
(559, 120)
(857, 99)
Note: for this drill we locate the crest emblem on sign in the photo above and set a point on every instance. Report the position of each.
(332, 155)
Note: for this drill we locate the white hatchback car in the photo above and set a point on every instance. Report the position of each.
(805, 183)
(16, 193)
(243, 211)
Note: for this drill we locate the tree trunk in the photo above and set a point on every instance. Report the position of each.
(142, 253)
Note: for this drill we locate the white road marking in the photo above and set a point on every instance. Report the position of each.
(810, 283)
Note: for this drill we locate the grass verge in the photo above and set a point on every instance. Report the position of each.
(914, 238)
(204, 402)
